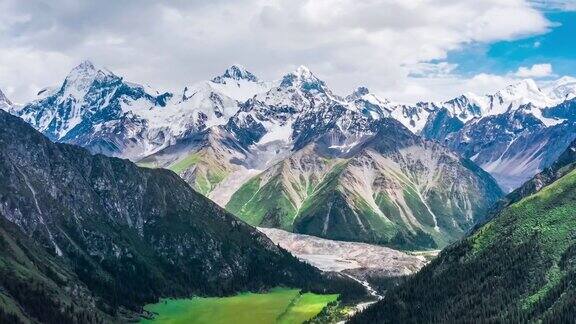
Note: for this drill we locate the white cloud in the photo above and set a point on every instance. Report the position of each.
(536, 71)
(440, 69)
(447, 87)
(378, 43)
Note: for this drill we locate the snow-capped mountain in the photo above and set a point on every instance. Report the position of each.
(471, 106)
(301, 107)
(507, 133)
(99, 110)
(235, 138)
(562, 89)
(267, 128)
(298, 146)
(238, 83)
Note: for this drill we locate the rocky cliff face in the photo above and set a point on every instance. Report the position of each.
(513, 147)
(85, 236)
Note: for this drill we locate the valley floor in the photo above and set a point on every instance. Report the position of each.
(373, 266)
(289, 306)
(377, 268)
(329, 255)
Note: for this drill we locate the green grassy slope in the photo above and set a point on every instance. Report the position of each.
(266, 205)
(521, 266)
(340, 202)
(393, 188)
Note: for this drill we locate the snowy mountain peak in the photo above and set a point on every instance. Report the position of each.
(523, 87)
(81, 78)
(235, 72)
(359, 92)
(85, 65)
(304, 79)
(303, 71)
(565, 80)
(562, 89)
(5, 104)
(362, 93)
(4, 99)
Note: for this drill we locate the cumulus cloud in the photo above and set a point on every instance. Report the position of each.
(383, 44)
(536, 71)
(449, 86)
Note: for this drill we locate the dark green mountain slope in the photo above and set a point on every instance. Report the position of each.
(520, 266)
(88, 238)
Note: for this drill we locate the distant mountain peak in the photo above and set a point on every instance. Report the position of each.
(562, 89)
(85, 65)
(565, 80)
(236, 72)
(359, 92)
(523, 86)
(303, 78)
(5, 103)
(4, 99)
(303, 71)
(81, 78)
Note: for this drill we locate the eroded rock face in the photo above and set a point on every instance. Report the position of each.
(489, 273)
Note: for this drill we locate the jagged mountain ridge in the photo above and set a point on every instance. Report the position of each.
(218, 143)
(99, 110)
(89, 238)
(124, 119)
(270, 126)
(470, 106)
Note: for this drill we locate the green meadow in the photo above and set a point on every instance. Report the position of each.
(280, 305)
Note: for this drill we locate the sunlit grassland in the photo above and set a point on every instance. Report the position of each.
(280, 305)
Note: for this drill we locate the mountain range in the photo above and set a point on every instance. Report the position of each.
(506, 133)
(293, 154)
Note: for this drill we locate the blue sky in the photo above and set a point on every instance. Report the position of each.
(556, 47)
